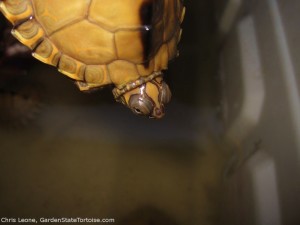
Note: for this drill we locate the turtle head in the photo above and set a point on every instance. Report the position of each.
(148, 99)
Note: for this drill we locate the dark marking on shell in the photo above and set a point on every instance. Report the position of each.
(146, 15)
(151, 13)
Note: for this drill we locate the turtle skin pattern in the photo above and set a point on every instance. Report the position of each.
(99, 42)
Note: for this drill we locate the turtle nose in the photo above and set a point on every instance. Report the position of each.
(158, 112)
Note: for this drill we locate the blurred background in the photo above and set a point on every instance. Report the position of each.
(227, 151)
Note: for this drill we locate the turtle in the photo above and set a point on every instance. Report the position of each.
(125, 43)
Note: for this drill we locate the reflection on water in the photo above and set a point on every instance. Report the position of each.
(86, 156)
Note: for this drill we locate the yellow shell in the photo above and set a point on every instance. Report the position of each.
(99, 42)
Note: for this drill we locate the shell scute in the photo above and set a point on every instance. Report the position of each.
(71, 67)
(96, 74)
(157, 10)
(113, 15)
(157, 37)
(47, 52)
(16, 10)
(182, 14)
(171, 19)
(86, 42)
(152, 32)
(56, 14)
(29, 33)
(161, 58)
(172, 45)
(146, 70)
(122, 72)
(128, 45)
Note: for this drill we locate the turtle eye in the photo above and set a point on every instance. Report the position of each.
(140, 105)
(165, 95)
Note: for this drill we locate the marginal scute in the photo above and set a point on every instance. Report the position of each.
(179, 36)
(16, 7)
(157, 38)
(170, 19)
(172, 44)
(161, 59)
(172, 48)
(16, 10)
(96, 74)
(158, 10)
(71, 67)
(28, 29)
(29, 33)
(182, 15)
(47, 52)
(87, 87)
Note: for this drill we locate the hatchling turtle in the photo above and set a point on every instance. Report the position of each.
(127, 43)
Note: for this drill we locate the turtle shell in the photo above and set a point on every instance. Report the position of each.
(99, 42)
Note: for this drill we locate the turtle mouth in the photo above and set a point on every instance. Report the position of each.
(157, 113)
